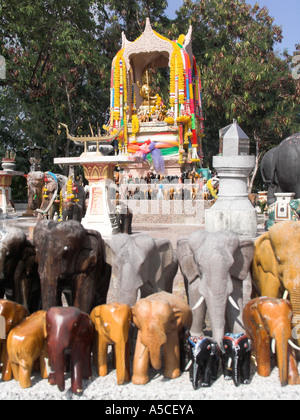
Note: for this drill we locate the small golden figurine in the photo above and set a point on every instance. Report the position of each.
(146, 91)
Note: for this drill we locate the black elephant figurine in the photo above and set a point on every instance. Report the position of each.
(19, 278)
(71, 260)
(204, 361)
(236, 358)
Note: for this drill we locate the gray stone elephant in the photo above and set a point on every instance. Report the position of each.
(141, 265)
(216, 271)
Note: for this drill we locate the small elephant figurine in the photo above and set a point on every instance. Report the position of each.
(236, 358)
(269, 320)
(112, 323)
(13, 314)
(69, 329)
(204, 361)
(27, 343)
(160, 319)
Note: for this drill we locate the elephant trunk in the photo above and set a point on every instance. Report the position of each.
(295, 301)
(122, 364)
(235, 371)
(282, 356)
(195, 376)
(217, 310)
(154, 338)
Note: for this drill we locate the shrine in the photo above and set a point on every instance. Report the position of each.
(146, 132)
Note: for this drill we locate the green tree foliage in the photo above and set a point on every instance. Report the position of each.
(243, 77)
(58, 55)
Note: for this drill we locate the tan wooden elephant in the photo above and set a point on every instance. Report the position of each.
(27, 343)
(269, 319)
(276, 266)
(160, 319)
(13, 315)
(112, 323)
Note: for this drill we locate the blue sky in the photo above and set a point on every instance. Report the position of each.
(285, 12)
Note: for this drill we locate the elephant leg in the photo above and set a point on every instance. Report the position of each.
(122, 362)
(43, 364)
(102, 357)
(24, 375)
(140, 363)
(293, 374)
(172, 356)
(6, 367)
(15, 370)
(87, 368)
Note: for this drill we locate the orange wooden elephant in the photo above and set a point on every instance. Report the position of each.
(276, 266)
(112, 323)
(269, 319)
(161, 319)
(25, 344)
(13, 314)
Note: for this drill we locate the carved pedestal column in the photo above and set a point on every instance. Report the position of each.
(100, 214)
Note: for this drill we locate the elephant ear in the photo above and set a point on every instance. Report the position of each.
(146, 258)
(197, 244)
(187, 263)
(264, 261)
(243, 258)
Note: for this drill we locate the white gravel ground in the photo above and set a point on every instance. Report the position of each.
(157, 389)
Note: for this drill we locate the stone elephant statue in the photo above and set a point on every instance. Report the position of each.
(161, 319)
(276, 266)
(60, 191)
(27, 343)
(112, 323)
(53, 185)
(19, 278)
(280, 167)
(142, 265)
(214, 267)
(71, 260)
(269, 320)
(35, 183)
(71, 330)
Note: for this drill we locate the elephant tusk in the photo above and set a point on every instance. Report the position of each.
(273, 346)
(229, 363)
(293, 345)
(139, 294)
(188, 366)
(199, 303)
(231, 300)
(285, 295)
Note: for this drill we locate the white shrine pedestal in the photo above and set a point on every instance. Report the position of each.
(5, 192)
(99, 172)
